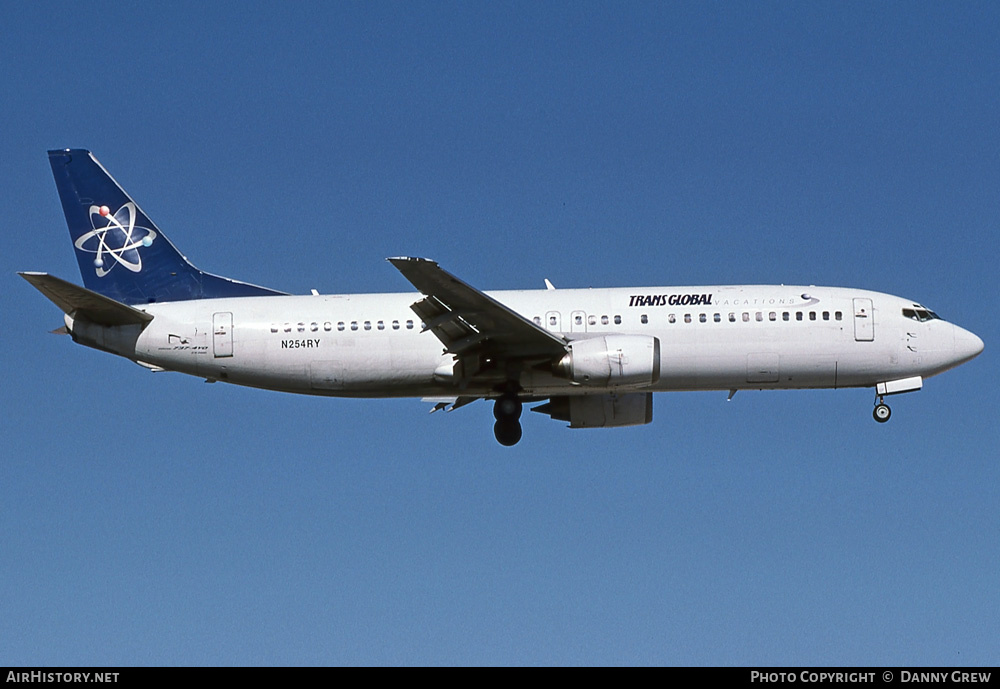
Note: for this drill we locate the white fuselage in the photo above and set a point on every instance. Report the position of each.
(711, 338)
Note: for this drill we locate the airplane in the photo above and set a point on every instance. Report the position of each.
(589, 357)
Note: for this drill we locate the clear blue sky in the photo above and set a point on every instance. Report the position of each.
(154, 519)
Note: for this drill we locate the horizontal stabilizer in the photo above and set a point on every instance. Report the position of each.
(78, 301)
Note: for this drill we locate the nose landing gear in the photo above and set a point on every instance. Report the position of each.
(507, 411)
(881, 412)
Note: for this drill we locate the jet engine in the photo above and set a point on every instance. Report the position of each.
(612, 361)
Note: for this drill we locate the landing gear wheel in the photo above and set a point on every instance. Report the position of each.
(507, 431)
(507, 407)
(882, 412)
(507, 411)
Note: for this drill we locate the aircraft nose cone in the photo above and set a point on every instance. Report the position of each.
(967, 345)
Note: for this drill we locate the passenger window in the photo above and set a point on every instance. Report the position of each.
(538, 320)
(301, 327)
(274, 328)
(773, 316)
(604, 320)
(746, 317)
(592, 320)
(839, 316)
(368, 325)
(288, 327)
(618, 320)
(732, 317)
(671, 318)
(381, 325)
(328, 326)
(340, 326)
(578, 319)
(785, 315)
(395, 325)
(313, 327)
(798, 315)
(812, 315)
(687, 317)
(409, 325)
(702, 318)
(644, 319)
(552, 320)
(760, 316)
(717, 317)
(354, 325)
(826, 315)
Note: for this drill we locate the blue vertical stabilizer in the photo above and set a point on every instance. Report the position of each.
(122, 254)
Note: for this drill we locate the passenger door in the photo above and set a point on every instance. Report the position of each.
(222, 334)
(864, 321)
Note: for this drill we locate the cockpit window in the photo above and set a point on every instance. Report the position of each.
(921, 315)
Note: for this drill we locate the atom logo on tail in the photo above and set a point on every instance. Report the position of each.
(119, 239)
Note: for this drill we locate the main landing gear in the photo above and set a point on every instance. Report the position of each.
(507, 411)
(882, 411)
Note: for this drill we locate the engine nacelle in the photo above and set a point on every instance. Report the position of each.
(612, 361)
(601, 411)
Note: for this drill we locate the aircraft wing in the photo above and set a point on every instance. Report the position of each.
(468, 321)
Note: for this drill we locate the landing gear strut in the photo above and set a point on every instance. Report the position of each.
(882, 411)
(507, 411)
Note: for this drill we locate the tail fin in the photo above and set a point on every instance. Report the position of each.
(122, 254)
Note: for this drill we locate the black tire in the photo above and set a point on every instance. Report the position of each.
(507, 407)
(508, 433)
(881, 413)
